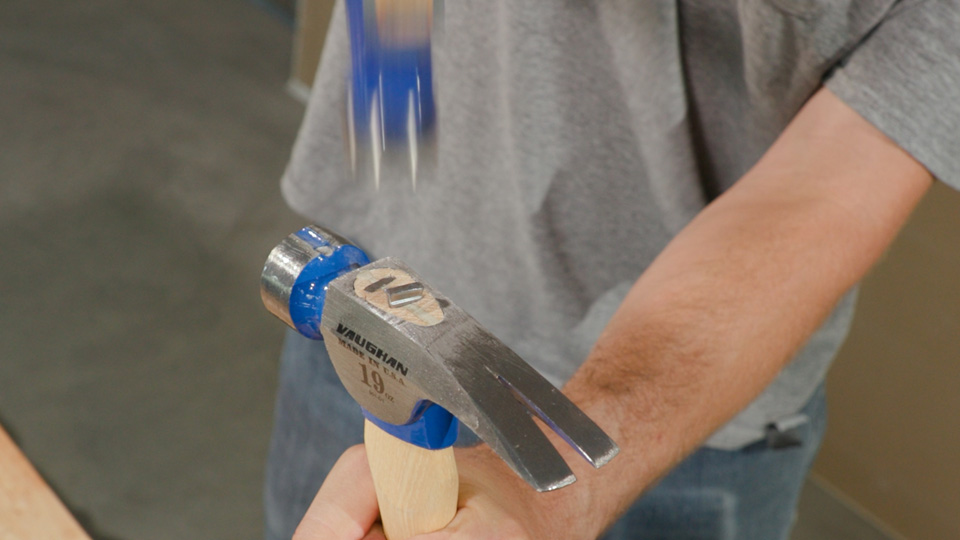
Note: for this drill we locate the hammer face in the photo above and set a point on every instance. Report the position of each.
(394, 356)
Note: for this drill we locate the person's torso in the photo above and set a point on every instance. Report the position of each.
(575, 140)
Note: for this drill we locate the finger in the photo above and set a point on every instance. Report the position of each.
(376, 533)
(345, 508)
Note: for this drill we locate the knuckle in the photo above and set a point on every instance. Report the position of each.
(355, 453)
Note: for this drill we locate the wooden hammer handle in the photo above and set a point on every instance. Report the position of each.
(417, 488)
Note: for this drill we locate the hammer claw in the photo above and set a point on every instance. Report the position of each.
(507, 427)
(504, 422)
(554, 409)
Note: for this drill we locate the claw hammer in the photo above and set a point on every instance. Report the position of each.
(419, 366)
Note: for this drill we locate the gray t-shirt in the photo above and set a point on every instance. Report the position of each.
(578, 137)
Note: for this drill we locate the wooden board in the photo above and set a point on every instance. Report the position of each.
(29, 510)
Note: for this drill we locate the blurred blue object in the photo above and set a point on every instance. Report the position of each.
(390, 96)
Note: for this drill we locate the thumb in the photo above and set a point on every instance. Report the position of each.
(345, 508)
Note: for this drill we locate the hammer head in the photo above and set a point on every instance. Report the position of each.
(401, 348)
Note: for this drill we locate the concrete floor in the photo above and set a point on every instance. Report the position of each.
(141, 147)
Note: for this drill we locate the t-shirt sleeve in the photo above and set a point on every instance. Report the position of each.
(904, 78)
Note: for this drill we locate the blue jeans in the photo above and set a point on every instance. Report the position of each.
(748, 494)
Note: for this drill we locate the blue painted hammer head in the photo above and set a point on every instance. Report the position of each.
(294, 286)
(294, 281)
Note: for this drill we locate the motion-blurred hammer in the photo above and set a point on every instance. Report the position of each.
(390, 109)
(416, 364)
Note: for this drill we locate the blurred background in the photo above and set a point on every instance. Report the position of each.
(141, 144)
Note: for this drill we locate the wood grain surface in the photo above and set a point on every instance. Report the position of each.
(417, 488)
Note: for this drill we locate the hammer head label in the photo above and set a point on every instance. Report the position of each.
(374, 377)
(349, 338)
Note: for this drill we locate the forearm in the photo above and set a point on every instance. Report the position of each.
(737, 293)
